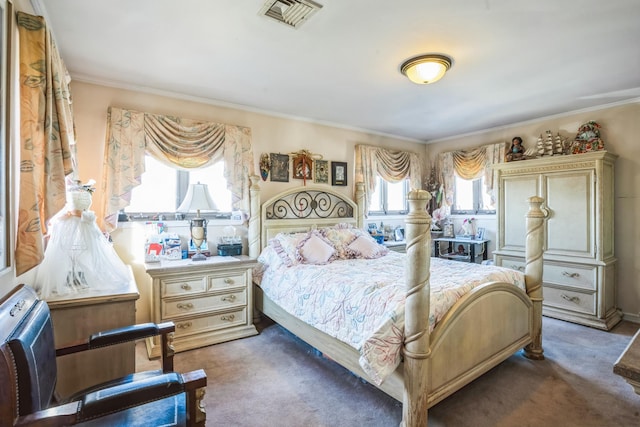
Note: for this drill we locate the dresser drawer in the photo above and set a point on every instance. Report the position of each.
(577, 276)
(231, 280)
(182, 286)
(201, 304)
(211, 322)
(569, 300)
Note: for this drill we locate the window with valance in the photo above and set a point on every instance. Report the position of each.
(469, 165)
(391, 165)
(178, 142)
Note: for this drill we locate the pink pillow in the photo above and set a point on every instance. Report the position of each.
(286, 246)
(366, 247)
(315, 249)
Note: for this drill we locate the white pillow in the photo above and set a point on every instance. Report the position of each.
(366, 247)
(315, 250)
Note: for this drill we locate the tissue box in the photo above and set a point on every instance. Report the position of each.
(230, 250)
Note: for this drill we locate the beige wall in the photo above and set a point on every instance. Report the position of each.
(269, 134)
(620, 132)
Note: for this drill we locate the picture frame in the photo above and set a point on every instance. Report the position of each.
(279, 167)
(321, 171)
(448, 231)
(302, 167)
(480, 233)
(398, 234)
(339, 173)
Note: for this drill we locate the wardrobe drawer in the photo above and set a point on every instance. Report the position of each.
(182, 286)
(239, 279)
(573, 275)
(569, 300)
(172, 308)
(211, 322)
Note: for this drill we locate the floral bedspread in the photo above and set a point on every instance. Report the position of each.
(361, 301)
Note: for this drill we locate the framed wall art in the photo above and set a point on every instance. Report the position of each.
(321, 171)
(302, 166)
(279, 167)
(338, 173)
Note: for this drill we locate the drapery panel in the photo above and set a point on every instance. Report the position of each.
(391, 165)
(47, 138)
(178, 142)
(470, 164)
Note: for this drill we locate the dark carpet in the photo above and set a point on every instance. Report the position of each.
(275, 379)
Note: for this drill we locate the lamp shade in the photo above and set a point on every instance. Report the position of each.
(426, 69)
(197, 199)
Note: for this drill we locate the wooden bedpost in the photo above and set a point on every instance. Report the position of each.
(416, 328)
(533, 272)
(254, 217)
(360, 203)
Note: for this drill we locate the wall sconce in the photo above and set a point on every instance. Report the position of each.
(197, 199)
(425, 69)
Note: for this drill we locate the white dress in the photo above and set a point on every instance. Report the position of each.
(78, 256)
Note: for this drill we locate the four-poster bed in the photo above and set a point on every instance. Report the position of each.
(483, 328)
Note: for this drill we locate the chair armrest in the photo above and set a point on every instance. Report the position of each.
(119, 335)
(62, 415)
(125, 396)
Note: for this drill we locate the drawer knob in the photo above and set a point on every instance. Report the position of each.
(517, 267)
(184, 325)
(574, 300)
(186, 286)
(229, 281)
(230, 298)
(182, 306)
(572, 275)
(229, 317)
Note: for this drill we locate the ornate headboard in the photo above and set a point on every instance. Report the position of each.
(302, 209)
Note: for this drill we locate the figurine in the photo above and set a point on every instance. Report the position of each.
(516, 151)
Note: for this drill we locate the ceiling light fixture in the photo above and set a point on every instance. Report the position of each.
(425, 69)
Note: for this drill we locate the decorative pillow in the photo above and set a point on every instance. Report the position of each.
(315, 249)
(286, 246)
(365, 247)
(340, 237)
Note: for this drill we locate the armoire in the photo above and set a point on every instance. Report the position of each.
(579, 277)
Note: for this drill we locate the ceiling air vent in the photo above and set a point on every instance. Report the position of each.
(291, 12)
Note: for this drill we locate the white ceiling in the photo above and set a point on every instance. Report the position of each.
(513, 60)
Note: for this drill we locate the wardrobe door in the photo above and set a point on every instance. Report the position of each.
(513, 206)
(569, 196)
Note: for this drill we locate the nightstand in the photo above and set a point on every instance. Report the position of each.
(75, 317)
(396, 245)
(209, 301)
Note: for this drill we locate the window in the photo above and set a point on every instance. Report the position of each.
(470, 197)
(389, 197)
(163, 188)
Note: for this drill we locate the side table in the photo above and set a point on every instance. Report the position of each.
(209, 301)
(75, 317)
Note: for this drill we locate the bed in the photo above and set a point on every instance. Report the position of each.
(482, 328)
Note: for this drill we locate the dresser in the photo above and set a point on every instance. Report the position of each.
(75, 317)
(209, 301)
(579, 277)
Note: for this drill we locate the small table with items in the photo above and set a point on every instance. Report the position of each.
(460, 249)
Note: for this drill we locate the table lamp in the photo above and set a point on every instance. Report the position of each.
(197, 199)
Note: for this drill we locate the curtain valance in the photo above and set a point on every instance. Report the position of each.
(391, 165)
(471, 164)
(178, 142)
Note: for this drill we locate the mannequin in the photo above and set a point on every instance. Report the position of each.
(78, 256)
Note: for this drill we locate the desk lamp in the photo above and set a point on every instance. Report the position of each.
(198, 198)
